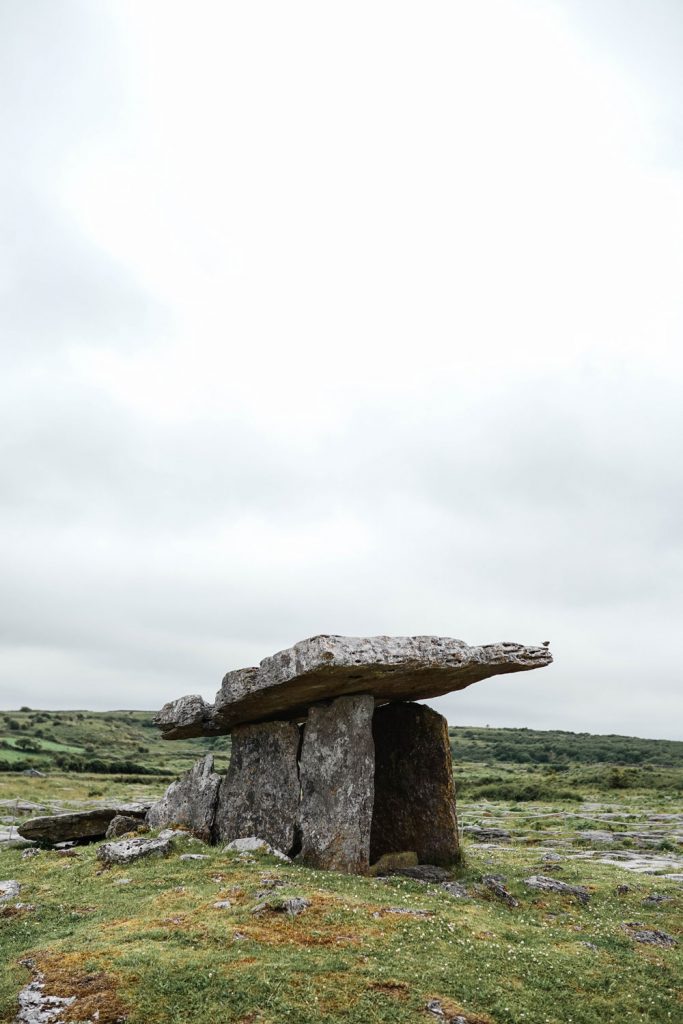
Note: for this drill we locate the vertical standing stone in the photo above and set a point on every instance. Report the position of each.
(260, 795)
(190, 801)
(414, 790)
(337, 776)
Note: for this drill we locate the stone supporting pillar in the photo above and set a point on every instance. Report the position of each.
(337, 785)
(260, 794)
(190, 801)
(414, 806)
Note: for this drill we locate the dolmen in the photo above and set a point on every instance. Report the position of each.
(332, 760)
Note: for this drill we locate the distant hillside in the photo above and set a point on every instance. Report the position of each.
(531, 746)
(126, 742)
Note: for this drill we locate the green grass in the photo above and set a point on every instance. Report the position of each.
(158, 951)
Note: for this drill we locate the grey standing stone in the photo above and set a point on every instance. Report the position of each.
(191, 800)
(337, 785)
(260, 795)
(414, 790)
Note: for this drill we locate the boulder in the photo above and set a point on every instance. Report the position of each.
(260, 795)
(544, 884)
(337, 774)
(414, 807)
(325, 667)
(129, 850)
(62, 828)
(190, 801)
(120, 824)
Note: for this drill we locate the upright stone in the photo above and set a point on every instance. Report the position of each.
(414, 792)
(190, 801)
(337, 785)
(260, 796)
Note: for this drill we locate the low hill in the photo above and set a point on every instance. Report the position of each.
(126, 742)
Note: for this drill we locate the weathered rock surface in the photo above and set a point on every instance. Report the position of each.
(61, 828)
(260, 795)
(292, 906)
(325, 667)
(337, 772)
(120, 824)
(553, 885)
(497, 888)
(414, 807)
(129, 850)
(35, 1007)
(191, 800)
(9, 889)
(649, 936)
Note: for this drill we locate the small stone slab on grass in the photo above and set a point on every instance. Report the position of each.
(9, 889)
(649, 936)
(133, 849)
(553, 885)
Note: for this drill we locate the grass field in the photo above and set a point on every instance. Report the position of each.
(156, 949)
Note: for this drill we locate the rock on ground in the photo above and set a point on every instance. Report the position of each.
(120, 824)
(260, 795)
(326, 667)
(133, 849)
(337, 771)
(9, 890)
(251, 844)
(35, 1007)
(414, 807)
(553, 885)
(61, 828)
(191, 800)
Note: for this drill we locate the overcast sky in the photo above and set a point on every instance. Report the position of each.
(356, 318)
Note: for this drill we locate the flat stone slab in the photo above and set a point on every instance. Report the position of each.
(62, 828)
(325, 667)
(129, 850)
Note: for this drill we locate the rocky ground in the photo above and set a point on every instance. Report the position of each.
(561, 914)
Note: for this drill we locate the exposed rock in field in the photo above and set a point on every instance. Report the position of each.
(292, 906)
(655, 898)
(482, 834)
(495, 886)
(648, 936)
(414, 806)
(222, 905)
(325, 667)
(194, 856)
(404, 911)
(120, 824)
(35, 1007)
(260, 795)
(9, 889)
(456, 890)
(191, 800)
(31, 852)
(60, 828)
(337, 769)
(553, 885)
(252, 844)
(129, 850)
